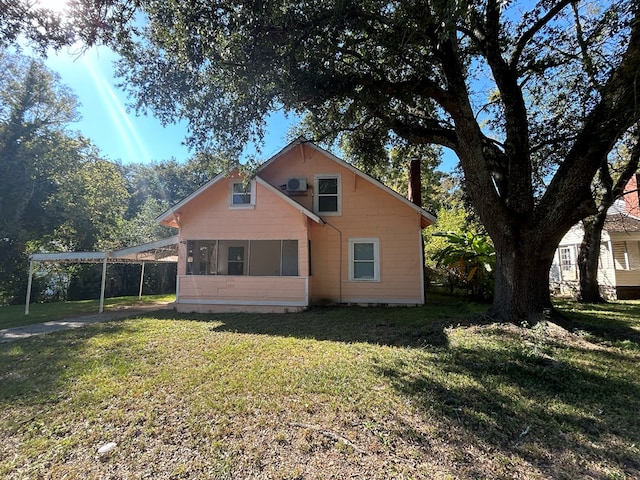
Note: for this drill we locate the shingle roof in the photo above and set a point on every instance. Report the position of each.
(620, 221)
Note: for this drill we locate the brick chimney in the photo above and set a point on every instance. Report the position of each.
(632, 199)
(415, 183)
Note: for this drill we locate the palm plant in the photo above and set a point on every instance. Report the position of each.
(469, 260)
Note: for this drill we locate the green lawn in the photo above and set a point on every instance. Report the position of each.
(329, 393)
(13, 315)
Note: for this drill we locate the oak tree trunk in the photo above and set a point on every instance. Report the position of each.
(522, 294)
(588, 259)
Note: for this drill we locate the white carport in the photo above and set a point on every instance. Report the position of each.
(165, 250)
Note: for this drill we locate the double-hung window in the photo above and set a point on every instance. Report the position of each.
(241, 194)
(566, 260)
(364, 259)
(327, 199)
(235, 261)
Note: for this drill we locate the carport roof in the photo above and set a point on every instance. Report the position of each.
(165, 250)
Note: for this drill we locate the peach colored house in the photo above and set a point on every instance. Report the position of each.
(307, 229)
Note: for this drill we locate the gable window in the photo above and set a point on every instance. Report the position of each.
(327, 199)
(241, 194)
(364, 259)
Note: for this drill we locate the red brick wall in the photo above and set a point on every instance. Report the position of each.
(632, 199)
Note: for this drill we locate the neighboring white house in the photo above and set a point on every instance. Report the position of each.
(619, 265)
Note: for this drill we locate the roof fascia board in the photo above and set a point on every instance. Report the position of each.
(165, 242)
(174, 209)
(424, 213)
(291, 146)
(288, 200)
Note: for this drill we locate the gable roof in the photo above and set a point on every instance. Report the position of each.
(426, 215)
(289, 200)
(171, 216)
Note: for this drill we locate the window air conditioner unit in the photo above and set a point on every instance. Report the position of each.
(297, 185)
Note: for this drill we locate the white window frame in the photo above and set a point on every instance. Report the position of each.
(620, 256)
(376, 259)
(316, 193)
(565, 255)
(252, 192)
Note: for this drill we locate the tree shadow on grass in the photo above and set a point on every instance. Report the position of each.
(568, 421)
(566, 411)
(36, 371)
(617, 323)
(392, 326)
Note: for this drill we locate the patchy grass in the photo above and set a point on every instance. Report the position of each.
(329, 393)
(616, 324)
(13, 315)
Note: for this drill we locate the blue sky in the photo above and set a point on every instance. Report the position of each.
(121, 134)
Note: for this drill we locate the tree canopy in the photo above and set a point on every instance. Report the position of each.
(531, 96)
(57, 192)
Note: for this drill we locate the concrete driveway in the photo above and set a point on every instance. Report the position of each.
(17, 333)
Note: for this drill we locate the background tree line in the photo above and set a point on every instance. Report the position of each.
(59, 194)
(533, 97)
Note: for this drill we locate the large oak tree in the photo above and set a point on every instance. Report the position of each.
(531, 96)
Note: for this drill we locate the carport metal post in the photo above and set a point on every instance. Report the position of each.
(104, 281)
(26, 304)
(141, 281)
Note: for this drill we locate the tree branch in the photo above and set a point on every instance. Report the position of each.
(617, 111)
(629, 170)
(535, 28)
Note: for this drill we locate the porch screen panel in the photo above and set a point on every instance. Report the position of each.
(232, 257)
(290, 258)
(265, 258)
(257, 258)
(201, 257)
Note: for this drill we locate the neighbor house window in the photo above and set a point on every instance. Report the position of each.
(241, 194)
(566, 262)
(620, 255)
(627, 255)
(327, 199)
(364, 259)
(258, 258)
(568, 267)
